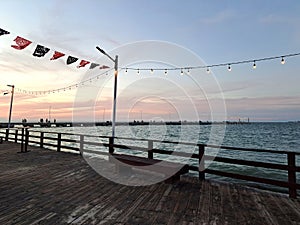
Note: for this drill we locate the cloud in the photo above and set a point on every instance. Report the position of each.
(218, 18)
(265, 108)
(112, 40)
(11, 61)
(266, 102)
(271, 18)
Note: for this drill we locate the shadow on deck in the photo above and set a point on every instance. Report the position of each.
(48, 187)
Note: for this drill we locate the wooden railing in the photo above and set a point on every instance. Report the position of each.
(79, 143)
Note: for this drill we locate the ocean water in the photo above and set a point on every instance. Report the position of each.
(272, 136)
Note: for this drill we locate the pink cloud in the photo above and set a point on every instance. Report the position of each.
(260, 109)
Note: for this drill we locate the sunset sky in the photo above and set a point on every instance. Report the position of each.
(152, 34)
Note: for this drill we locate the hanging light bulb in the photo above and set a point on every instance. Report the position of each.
(166, 71)
(151, 71)
(207, 70)
(254, 65)
(126, 71)
(229, 67)
(282, 61)
(181, 72)
(188, 71)
(138, 71)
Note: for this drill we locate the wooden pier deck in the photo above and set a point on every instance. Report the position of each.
(48, 187)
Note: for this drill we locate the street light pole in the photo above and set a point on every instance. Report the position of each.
(11, 103)
(115, 88)
(115, 97)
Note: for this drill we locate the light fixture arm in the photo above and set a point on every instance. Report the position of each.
(104, 53)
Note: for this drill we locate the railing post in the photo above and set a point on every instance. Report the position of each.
(26, 138)
(42, 140)
(150, 149)
(201, 162)
(111, 145)
(22, 140)
(58, 141)
(81, 144)
(292, 174)
(16, 136)
(6, 134)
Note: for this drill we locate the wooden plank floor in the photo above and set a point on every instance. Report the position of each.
(47, 187)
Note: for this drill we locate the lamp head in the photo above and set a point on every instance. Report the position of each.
(100, 50)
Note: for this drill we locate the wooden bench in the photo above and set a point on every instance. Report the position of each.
(171, 170)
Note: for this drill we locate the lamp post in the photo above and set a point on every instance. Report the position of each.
(115, 88)
(11, 103)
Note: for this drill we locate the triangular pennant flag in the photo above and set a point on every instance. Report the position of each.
(93, 65)
(57, 55)
(104, 67)
(40, 51)
(21, 43)
(71, 59)
(83, 63)
(2, 32)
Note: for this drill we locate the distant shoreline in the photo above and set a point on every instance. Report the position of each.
(134, 123)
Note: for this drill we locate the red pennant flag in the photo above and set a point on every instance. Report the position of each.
(57, 55)
(83, 63)
(103, 67)
(21, 43)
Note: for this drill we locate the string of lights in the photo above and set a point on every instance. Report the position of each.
(186, 69)
(66, 88)
(208, 67)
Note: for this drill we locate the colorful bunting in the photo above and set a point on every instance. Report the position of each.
(21, 43)
(83, 63)
(103, 67)
(57, 55)
(2, 32)
(40, 51)
(94, 65)
(71, 60)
